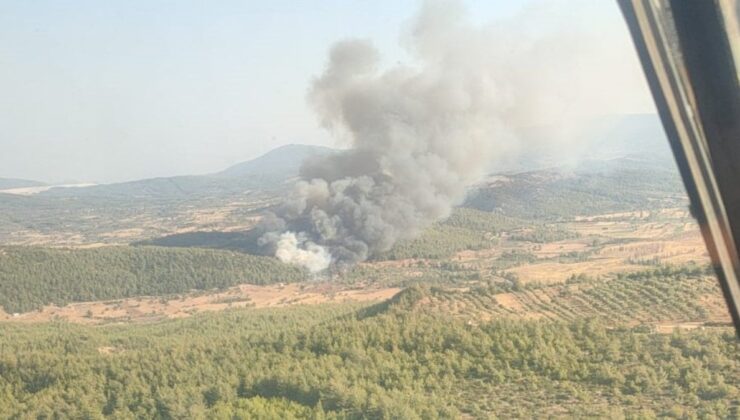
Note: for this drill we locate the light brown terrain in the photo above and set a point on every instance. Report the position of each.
(143, 309)
(673, 239)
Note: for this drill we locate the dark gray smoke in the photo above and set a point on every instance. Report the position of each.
(419, 136)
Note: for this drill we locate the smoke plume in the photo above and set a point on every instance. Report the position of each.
(293, 249)
(419, 134)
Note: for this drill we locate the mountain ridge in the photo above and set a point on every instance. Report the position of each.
(602, 142)
(270, 170)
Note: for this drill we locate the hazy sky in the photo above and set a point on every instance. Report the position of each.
(106, 91)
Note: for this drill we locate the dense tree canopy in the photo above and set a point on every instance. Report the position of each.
(32, 277)
(348, 362)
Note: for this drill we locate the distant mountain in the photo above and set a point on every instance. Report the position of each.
(593, 187)
(594, 144)
(281, 163)
(9, 183)
(158, 188)
(640, 135)
(268, 171)
(572, 143)
(608, 164)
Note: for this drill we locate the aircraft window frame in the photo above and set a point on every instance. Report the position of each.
(686, 52)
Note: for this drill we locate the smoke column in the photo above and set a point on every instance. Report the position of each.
(419, 135)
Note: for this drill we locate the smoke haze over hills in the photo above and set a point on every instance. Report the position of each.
(419, 135)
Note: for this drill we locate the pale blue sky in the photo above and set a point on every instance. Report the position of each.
(107, 91)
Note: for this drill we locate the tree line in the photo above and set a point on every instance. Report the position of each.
(31, 277)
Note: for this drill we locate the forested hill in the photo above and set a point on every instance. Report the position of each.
(33, 277)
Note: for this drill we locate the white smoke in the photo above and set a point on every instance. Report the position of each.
(294, 250)
(420, 135)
